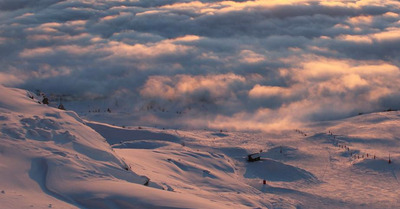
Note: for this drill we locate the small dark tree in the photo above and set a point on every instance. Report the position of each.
(61, 107)
(45, 100)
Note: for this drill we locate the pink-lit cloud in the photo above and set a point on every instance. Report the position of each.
(238, 64)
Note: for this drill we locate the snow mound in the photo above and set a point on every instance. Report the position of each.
(272, 170)
(377, 165)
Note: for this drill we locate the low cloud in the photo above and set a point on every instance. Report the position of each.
(221, 64)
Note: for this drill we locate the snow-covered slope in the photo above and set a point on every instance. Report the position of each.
(323, 167)
(52, 158)
(49, 158)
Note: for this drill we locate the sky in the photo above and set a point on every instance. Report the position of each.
(224, 64)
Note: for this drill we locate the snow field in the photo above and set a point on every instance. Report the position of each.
(53, 159)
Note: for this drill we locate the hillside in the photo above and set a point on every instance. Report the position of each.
(53, 158)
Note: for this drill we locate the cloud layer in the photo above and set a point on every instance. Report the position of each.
(224, 64)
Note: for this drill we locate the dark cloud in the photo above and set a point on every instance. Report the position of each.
(11, 5)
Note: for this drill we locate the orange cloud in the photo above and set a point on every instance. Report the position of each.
(388, 35)
(11, 79)
(361, 20)
(179, 86)
(324, 68)
(120, 49)
(28, 53)
(248, 56)
(356, 38)
(259, 91)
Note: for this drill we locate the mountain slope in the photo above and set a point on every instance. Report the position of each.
(52, 158)
(326, 165)
(49, 158)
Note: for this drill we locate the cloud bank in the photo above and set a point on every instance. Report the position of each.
(222, 64)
